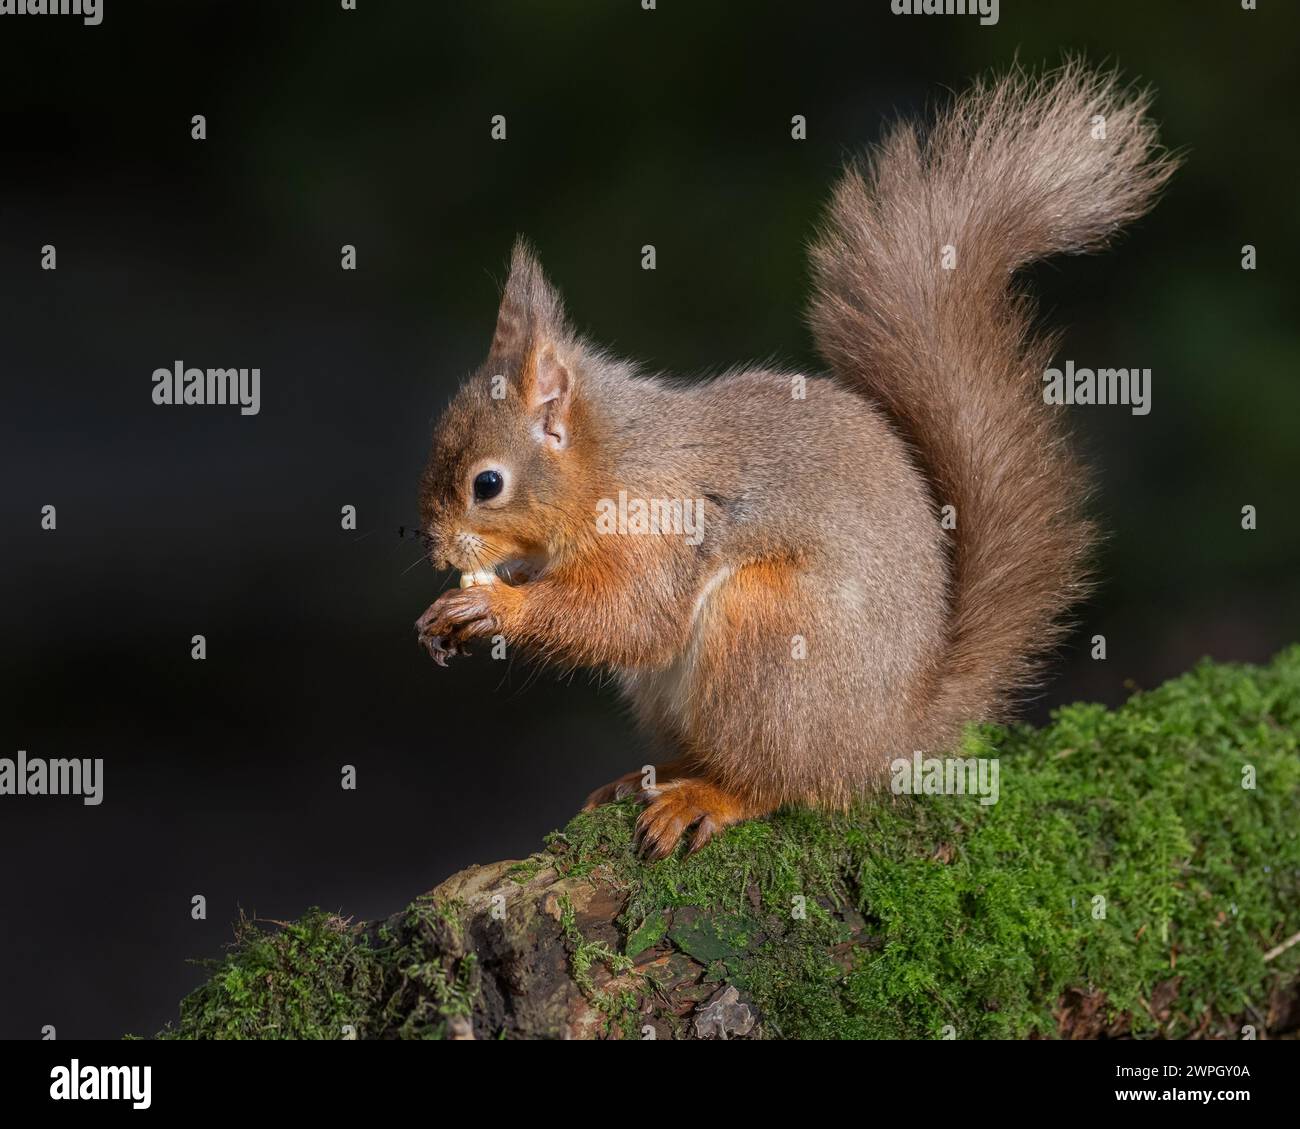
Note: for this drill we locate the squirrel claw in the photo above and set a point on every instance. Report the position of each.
(674, 805)
(634, 784)
(441, 647)
(617, 790)
(679, 805)
(451, 620)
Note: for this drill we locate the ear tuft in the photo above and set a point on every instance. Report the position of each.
(531, 310)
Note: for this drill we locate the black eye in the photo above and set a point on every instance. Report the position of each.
(487, 485)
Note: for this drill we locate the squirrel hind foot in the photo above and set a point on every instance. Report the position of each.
(674, 807)
(632, 783)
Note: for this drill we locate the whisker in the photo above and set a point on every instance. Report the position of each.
(533, 674)
(418, 560)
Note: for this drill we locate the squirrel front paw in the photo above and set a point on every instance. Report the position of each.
(454, 618)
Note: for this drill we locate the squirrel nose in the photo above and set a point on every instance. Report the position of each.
(435, 547)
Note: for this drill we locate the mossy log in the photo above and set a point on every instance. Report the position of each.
(1139, 875)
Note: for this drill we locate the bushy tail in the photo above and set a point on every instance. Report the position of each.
(913, 306)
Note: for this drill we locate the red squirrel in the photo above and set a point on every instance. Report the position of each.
(825, 618)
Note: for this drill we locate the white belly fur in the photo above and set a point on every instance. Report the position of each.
(667, 692)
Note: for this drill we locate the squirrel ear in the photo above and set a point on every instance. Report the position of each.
(530, 306)
(532, 332)
(512, 328)
(548, 390)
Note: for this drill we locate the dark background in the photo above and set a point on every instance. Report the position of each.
(371, 127)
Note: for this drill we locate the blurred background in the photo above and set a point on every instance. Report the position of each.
(625, 127)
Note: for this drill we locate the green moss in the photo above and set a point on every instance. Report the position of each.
(299, 982)
(524, 871)
(323, 978)
(619, 1005)
(979, 917)
(584, 954)
(1124, 852)
(647, 934)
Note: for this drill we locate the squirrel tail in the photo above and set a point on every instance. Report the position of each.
(914, 307)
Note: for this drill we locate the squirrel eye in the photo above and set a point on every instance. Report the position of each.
(487, 485)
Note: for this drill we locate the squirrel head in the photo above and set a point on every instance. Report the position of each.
(512, 470)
